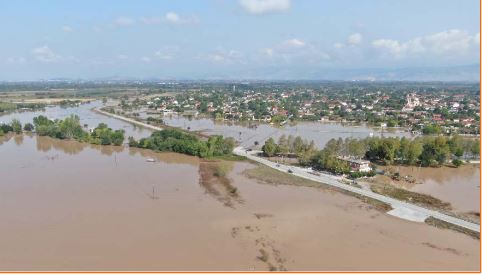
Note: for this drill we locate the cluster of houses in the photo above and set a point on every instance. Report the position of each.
(419, 109)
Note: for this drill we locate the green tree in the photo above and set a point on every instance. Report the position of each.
(269, 148)
(283, 146)
(475, 149)
(16, 126)
(70, 128)
(415, 149)
(28, 127)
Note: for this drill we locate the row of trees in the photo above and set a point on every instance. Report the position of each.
(424, 151)
(294, 146)
(70, 128)
(174, 140)
(308, 155)
(16, 127)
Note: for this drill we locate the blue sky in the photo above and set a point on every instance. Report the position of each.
(232, 38)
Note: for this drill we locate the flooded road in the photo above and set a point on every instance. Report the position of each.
(65, 205)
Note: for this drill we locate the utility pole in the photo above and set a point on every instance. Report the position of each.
(154, 196)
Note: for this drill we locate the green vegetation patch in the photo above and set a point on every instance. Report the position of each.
(174, 140)
(70, 128)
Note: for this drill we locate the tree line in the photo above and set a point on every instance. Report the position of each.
(175, 140)
(290, 146)
(423, 151)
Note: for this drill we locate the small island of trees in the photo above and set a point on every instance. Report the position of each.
(174, 140)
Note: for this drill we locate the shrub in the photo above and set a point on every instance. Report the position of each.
(457, 162)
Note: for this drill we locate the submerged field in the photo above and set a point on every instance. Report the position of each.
(72, 206)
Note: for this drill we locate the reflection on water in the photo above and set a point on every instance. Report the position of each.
(70, 147)
(18, 139)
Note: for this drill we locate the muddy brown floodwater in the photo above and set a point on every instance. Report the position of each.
(458, 186)
(71, 206)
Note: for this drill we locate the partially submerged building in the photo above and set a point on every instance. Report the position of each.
(357, 165)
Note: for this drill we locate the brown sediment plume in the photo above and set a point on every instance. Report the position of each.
(213, 178)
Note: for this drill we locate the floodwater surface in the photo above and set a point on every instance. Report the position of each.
(248, 133)
(245, 133)
(65, 205)
(458, 186)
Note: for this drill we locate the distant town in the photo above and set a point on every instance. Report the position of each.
(419, 108)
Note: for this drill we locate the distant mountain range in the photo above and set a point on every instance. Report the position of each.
(469, 73)
(461, 73)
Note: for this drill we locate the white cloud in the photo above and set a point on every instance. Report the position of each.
(16, 60)
(225, 56)
(258, 7)
(449, 41)
(452, 41)
(150, 20)
(122, 57)
(351, 41)
(67, 29)
(124, 21)
(294, 43)
(354, 39)
(145, 59)
(163, 55)
(294, 51)
(477, 38)
(45, 54)
(390, 45)
(268, 52)
(172, 17)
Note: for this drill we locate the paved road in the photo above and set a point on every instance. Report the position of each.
(326, 179)
(126, 119)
